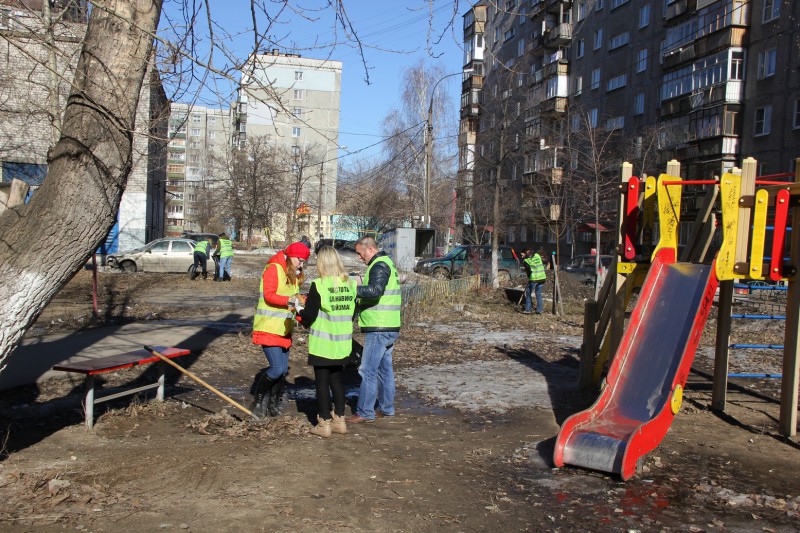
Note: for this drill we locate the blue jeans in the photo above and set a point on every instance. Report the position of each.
(225, 266)
(537, 287)
(377, 375)
(278, 359)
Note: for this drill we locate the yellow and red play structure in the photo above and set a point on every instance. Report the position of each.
(643, 388)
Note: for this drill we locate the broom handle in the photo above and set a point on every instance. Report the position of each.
(200, 381)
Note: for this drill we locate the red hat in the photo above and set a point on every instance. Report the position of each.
(298, 250)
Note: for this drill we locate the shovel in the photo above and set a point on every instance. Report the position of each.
(200, 381)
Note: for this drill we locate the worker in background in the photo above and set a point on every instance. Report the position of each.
(534, 267)
(225, 250)
(202, 250)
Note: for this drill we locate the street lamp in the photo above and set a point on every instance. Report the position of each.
(322, 184)
(429, 148)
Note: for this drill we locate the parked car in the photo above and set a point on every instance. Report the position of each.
(339, 244)
(585, 266)
(160, 255)
(471, 259)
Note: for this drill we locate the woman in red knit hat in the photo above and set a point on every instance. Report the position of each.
(273, 324)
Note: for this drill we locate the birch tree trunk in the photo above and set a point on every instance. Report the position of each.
(45, 242)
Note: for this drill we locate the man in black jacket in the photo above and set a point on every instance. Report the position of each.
(379, 302)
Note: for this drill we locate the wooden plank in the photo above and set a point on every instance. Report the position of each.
(699, 228)
(759, 236)
(748, 188)
(589, 349)
(730, 192)
(721, 354)
(791, 350)
(618, 299)
(99, 365)
(669, 213)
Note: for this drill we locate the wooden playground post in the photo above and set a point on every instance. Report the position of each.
(791, 351)
(618, 313)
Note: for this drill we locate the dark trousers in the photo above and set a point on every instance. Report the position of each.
(329, 380)
(201, 259)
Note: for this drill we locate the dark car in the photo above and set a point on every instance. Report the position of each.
(339, 244)
(197, 237)
(585, 266)
(471, 259)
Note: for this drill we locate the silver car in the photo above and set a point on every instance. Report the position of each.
(160, 255)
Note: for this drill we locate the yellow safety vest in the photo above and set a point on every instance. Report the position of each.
(275, 320)
(385, 311)
(331, 334)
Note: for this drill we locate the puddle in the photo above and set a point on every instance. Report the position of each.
(495, 386)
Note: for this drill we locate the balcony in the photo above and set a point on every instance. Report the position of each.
(679, 8)
(555, 105)
(727, 38)
(472, 110)
(556, 6)
(556, 68)
(559, 35)
(537, 7)
(472, 82)
(536, 46)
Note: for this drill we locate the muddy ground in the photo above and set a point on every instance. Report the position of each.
(482, 390)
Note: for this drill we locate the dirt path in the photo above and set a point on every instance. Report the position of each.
(481, 394)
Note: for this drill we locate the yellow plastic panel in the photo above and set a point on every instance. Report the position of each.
(669, 211)
(759, 231)
(730, 187)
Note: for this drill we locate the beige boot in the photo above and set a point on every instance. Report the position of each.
(322, 429)
(338, 424)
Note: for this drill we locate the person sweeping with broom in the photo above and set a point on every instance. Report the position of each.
(328, 314)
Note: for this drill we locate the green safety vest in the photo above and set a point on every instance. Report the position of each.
(202, 247)
(537, 268)
(225, 248)
(275, 320)
(383, 312)
(331, 334)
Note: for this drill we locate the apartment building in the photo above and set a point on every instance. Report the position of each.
(293, 103)
(199, 138)
(36, 82)
(705, 82)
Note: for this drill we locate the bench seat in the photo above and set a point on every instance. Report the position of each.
(100, 365)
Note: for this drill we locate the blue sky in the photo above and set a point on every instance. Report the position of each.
(395, 36)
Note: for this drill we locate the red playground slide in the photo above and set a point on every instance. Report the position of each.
(644, 386)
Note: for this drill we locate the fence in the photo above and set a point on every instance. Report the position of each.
(444, 289)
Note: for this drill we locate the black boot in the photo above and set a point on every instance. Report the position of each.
(275, 396)
(263, 392)
(226, 276)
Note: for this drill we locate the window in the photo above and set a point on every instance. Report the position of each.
(595, 78)
(212, 119)
(598, 39)
(511, 237)
(615, 123)
(295, 132)
(297, 112)
(616, 3)
(195, 119)
(520, 47)
(298, 94)
(598, 5)
(522, 17)
(763, 122)
(766, 63)
(576, 122)
(295, 150)
(513, 172)
(298, 75)
(195, 145)
(579, 48)
(496, 34)
(737, 66)
(195, 132)
(580, 11)
(578, 85)
(638, 104)
(212, 134)
(616, 82)
(796, 121)
(509, 33)
(772, 10)
(641, 60)
(194, 158)
(619, 40)
(593, 118)
(644, 16)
